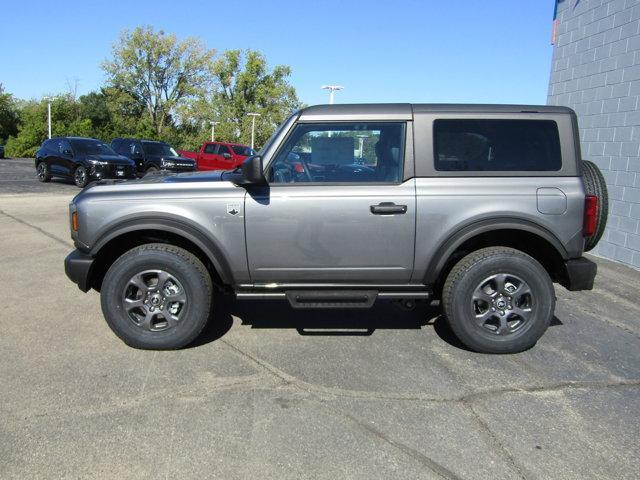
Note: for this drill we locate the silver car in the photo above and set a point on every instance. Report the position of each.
(480, 206)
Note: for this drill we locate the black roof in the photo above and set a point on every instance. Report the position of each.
(398, 110)
(140, 140)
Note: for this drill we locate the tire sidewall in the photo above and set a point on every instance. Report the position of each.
(86, 177)
(192, 319)
(46, 176)
(462, 319)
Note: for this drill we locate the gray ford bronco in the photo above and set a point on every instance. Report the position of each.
(482, 207)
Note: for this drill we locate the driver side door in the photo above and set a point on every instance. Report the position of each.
(336, 209)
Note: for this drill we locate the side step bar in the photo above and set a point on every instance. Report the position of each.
(333, 298)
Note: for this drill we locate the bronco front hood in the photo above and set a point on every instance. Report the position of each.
(187, 177)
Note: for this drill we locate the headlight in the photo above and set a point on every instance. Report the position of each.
(98, 162)
(168, 163)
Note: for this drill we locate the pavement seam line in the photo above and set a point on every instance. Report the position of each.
(44, 232)
(432, 465)
(465, 400)
(435, 467)
(598, 316)
(469, 397)
(493, 440)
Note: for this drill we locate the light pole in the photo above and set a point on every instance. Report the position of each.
(213, 130)
(48, 99)
(332, 89)
(361, 138)
(253, 126)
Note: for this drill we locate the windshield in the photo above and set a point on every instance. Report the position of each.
(91, 147)
(284, 124)
(159, 149)
(242, 150)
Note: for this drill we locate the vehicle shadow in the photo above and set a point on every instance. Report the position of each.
(269, 314)
(331, 322)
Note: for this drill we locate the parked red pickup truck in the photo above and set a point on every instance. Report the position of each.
(219, 155)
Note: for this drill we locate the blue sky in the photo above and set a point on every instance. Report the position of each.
(494, 51)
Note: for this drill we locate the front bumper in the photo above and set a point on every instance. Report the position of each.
(179, 168)
(579, 274)
(77, 266)
(116, 171)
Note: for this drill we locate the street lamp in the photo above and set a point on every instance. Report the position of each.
(253, 126)
(361, 138)
(332, 89)
(213, 130)
(49, 99)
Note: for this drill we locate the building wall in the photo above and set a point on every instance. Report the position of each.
(596, 71)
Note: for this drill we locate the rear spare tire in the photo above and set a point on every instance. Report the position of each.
(595, 184)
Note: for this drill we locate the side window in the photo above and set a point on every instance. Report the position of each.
(341, 152)
(65, 147)
(119, 147)
(496, 145)
(211, 148)
(50, 146)
(136, 150)
(223, 149)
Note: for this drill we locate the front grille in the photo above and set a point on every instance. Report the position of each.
(111, 171)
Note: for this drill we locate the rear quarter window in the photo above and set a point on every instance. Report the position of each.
(496, 145)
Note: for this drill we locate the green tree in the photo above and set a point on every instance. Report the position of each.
(158, 72)
(244, 84)
(66, 119)
(9, 117)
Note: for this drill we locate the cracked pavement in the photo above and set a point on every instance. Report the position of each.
(269, 392)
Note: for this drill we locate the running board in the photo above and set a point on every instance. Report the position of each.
(333, 298)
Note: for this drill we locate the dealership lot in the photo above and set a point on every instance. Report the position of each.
(268, 392)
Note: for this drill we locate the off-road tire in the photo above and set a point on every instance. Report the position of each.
(179, 263)
(471, 271)
(595, 184)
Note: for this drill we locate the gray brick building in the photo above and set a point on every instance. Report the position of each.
(596, 71)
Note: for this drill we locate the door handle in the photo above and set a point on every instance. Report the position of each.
(388, 208)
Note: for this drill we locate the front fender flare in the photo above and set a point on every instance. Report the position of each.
(175, 225)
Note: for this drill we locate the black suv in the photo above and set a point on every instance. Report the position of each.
(81, 159)
(152, 156)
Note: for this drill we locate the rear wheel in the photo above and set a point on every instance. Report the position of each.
(498, 300)
(157, 297)
(42, 171)
(595, 184)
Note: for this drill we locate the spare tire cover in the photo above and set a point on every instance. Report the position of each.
(594, 184)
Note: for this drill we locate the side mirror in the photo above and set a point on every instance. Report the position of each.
(252, 171)
(226, 155)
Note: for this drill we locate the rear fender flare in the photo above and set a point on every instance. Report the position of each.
(451, 244)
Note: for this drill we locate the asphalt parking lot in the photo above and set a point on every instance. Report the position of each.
(268, 392)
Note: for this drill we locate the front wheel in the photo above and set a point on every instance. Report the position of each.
(43, 172)
(498, 300)
(80, 177)
(151, 171)
(157, 297)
